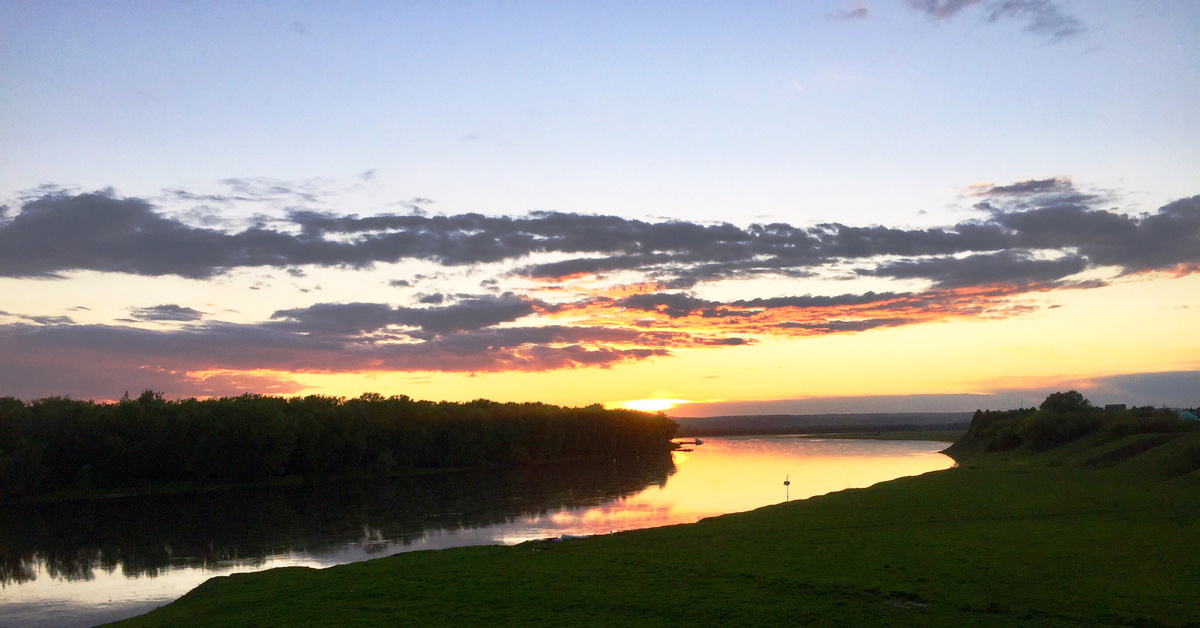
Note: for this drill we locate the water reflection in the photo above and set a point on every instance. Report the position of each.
(84, 562)
(144, 535)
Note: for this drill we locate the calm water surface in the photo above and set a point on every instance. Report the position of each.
(83, 563)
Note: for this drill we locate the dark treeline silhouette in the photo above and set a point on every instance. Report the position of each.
(147, 533)
(59, 444)
(1062, 418)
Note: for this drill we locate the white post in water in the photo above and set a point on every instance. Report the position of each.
(787, 488)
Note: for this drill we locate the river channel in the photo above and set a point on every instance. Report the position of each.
(88, 562)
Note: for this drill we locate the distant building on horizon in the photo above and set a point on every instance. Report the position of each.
(1114, 406)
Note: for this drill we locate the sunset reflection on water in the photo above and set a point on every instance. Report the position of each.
(736, 474)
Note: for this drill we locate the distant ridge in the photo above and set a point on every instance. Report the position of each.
(738, 425)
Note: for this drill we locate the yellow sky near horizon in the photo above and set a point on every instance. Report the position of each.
(1135, 325)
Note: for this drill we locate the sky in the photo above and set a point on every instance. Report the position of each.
(700, 207)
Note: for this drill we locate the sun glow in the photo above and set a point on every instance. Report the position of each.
(648, 405)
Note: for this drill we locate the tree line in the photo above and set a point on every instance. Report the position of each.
(61, 444)
(1062, 418)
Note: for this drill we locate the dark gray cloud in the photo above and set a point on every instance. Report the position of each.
(674, 305)
(1053, 185)
(40, 319)
(1028, 220)
(71, 351)
(1161, 241)
(591, 266)
(1034, 193)
(357, 318)
(95, 231)
(168, 312)
(1003, 267)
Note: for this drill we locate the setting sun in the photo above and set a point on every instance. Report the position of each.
(649, 405)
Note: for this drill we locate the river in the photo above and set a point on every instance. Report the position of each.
(88, 562)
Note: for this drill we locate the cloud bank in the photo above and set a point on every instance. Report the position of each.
(1027, 221)
(568, 290)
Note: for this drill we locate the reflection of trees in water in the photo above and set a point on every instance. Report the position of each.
(144, 535)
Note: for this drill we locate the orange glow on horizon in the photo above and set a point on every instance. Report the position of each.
(649, 405)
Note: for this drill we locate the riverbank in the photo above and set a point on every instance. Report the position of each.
(1099, 532)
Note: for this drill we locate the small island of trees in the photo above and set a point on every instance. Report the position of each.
(61, 445)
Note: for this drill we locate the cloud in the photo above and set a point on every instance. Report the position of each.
(1007, 267)
(160, 313)
(1042, 17)
(40, 357)
(467, 314)
(1027, 220)
(860, 12)
(941, 9)
(1165, 240)
(1030, 237)
(673, 305)
(1025, 188)
(1176, 389)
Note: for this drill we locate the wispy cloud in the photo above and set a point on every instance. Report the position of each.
(162, 313)
(1041, 17)
(860, 11)
(941, 9)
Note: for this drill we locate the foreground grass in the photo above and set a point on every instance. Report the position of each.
(1092, 534)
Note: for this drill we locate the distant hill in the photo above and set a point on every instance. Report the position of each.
(739, 425)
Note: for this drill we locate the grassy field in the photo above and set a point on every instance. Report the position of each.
(1096, 533)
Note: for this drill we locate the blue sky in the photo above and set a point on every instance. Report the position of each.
(697, 110)
(228, 115)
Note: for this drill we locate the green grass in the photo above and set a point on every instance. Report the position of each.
(1076, 536)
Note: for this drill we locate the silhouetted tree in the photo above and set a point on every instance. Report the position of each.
(1070, 401)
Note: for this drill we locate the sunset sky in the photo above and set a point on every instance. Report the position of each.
(723, 207)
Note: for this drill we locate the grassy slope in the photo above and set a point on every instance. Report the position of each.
(1042, 540)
